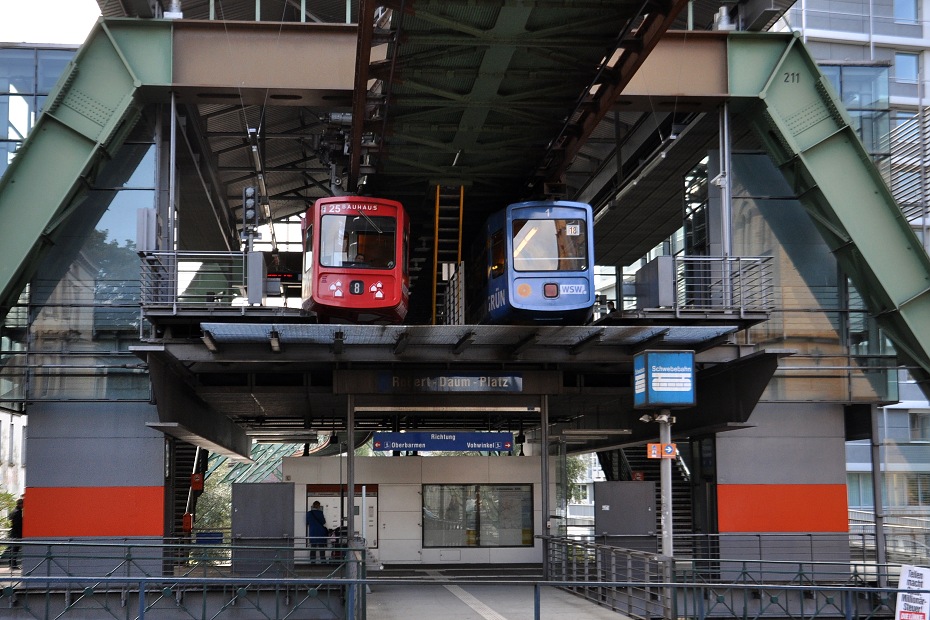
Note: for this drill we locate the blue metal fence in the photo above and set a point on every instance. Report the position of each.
(134, 579)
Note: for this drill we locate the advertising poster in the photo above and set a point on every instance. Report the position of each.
(913, 597)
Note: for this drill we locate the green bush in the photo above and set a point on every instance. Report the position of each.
(7, 502)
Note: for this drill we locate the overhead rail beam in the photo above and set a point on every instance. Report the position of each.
(633, 47)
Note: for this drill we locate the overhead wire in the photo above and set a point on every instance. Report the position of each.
(262, 111)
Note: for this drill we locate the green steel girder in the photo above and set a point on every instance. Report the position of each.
(87, 118)
(809, 135)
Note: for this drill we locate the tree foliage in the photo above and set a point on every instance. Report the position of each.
(575, 468)
(7, 502)
(214, 506)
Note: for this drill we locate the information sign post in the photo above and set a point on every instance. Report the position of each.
(665, 481)
(662, 380)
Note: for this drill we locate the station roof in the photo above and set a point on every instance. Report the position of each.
(506, 99)
(280, 381)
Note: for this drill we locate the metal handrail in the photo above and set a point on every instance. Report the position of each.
(739, 283)
(73, 571)
(648, 585)
(909, 547)
(158, 595)
(193, 279)
(636, 583)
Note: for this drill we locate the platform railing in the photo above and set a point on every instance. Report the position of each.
(624, 580)
(193, 279)
(648, 585)
(62, 579)
(306, 13)
(735, 283)
(692, 284)
(286, 598)
(903, 546)
(134, 580)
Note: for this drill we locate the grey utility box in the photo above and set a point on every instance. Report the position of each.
(263, 528)
(655, 284)
(625, 514)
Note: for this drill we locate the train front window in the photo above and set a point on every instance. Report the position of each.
(550, 245)
(357, 241)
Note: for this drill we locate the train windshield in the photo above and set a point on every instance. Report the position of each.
(357, 241)
(550, 245)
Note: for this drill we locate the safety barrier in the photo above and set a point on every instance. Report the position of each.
(731, 283)
(648, 585)
(193, 279)
(857, 547)
(253, 578)
(133, 579)
(680, 284)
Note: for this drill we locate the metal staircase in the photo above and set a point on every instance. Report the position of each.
(447, 244)
(184, 458)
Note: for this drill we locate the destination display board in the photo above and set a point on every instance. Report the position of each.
(452, 441)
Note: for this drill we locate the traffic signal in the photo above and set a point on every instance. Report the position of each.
(250, 208)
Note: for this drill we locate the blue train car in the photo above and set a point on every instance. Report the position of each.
(533, 263)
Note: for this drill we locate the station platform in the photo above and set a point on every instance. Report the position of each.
(430, 596)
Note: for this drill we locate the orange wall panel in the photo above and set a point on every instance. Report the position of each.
(93, 511)
(782, 508)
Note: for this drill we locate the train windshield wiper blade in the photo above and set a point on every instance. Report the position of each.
(370, 221)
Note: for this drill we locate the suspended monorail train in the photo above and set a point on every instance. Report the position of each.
(356, 260)
(533, 262)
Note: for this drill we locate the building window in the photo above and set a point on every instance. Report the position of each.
(905, 11)
(901, 118)
(859, 487)
(907, 490)
(477, 515)
(864, 90)
(581, 492)
(906, 67)
(920, 426)
(918, 490)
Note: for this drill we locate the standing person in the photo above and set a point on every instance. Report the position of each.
(16, 532)
(317, 533)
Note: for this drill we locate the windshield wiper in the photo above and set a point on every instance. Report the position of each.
(370, 221)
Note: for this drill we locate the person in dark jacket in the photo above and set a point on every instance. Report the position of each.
(317, 533)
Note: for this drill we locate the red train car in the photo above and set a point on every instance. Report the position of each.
(356, 260)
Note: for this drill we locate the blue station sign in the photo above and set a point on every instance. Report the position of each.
(451, 441)
(663, 379)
